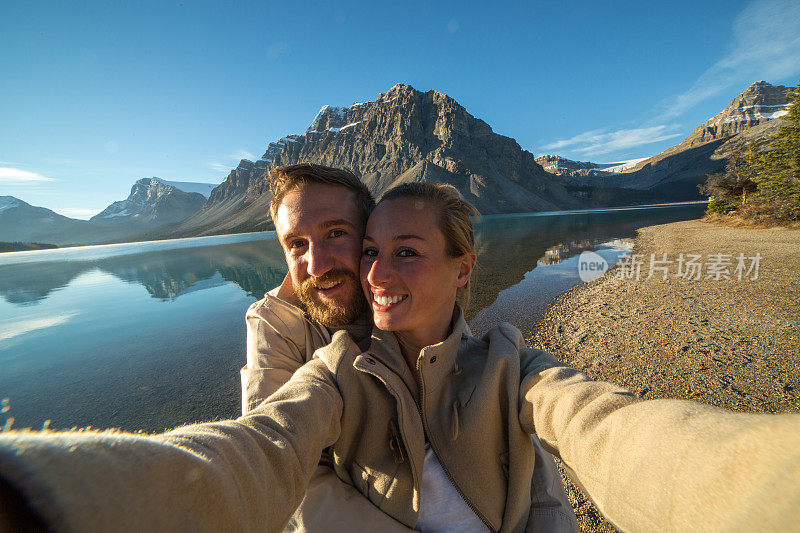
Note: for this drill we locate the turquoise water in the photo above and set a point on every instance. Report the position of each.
(151, 335)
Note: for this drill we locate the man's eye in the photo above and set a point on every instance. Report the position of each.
(336, 233)
(297, 244)
(406, 252)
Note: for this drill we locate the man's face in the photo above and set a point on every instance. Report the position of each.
(320, 231)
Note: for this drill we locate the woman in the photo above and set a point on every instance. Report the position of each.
(424, 409)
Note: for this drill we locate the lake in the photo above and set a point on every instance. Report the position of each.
(151, 335)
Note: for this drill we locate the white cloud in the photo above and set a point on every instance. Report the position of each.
(21, 327)
(602, 141)
(585, 137)
(765, 46)
(234, 159)
(12, 176)
(82, 213)
(238, 155)
(218, 167)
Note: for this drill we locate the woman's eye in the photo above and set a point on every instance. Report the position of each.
(370, 252)
(405, 252)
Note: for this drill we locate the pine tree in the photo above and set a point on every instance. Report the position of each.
(731, 188)
(778, 175)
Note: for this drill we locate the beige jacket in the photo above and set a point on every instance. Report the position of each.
(661, 465)
(280, 339)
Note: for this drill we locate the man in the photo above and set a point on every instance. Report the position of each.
(320, 214)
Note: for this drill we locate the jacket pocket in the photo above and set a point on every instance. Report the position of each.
(504, 463)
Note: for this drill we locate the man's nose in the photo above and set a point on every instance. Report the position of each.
(319, 260)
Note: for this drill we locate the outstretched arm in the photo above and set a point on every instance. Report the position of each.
(279, 342)
(664, 465)
(280, 339)
(246, 474)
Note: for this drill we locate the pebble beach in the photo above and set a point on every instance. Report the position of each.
(726, 342)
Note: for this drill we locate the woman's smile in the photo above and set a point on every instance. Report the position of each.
(384, 301)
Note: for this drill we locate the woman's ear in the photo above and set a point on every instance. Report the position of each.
(466, 264)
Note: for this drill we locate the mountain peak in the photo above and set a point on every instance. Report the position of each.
(9, 202)
(759, 103)
(401, 87)
(403, 135)
(153, 200)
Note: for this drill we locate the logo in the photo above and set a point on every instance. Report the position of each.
(591, 266)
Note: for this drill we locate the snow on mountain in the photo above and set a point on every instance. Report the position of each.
(759, 103)
(275, 148)
(327, 112)
(122, 213)
(153, 201)
(562, 166)
(190, 186)
(620, 166)
(8, 202)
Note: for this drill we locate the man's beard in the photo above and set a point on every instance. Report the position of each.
(333, 313)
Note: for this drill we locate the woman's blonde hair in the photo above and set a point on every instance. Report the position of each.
(454, 219)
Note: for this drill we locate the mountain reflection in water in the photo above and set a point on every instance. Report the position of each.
(82, 344)
(166, 275)
(509, 246)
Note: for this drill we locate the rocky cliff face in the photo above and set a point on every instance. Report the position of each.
(561, 166)
(404, 135)
(151, 203)
(756, 105)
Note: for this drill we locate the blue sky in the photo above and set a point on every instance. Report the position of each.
(97, 95)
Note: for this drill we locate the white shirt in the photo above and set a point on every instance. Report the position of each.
(441, 506)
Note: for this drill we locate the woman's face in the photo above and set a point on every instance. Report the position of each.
(408, 278)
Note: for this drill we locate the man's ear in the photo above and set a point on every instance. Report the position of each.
(466, 264)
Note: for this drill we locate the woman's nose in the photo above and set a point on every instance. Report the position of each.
(379, 273)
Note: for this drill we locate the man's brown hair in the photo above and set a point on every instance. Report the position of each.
(285, 179)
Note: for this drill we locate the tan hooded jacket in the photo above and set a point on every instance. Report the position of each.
(661, 465)
(280, 339)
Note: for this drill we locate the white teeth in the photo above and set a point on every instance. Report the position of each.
(386, 300)
(328, 285)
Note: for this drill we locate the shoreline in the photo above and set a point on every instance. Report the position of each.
(729, 343)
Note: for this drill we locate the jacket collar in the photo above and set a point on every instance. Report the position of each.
(435, 362)
(285, 292)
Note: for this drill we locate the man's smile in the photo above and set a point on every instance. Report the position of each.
(324, 286)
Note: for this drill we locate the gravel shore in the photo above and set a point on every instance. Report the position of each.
(729, 343)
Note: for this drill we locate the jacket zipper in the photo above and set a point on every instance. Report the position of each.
(444, 468)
